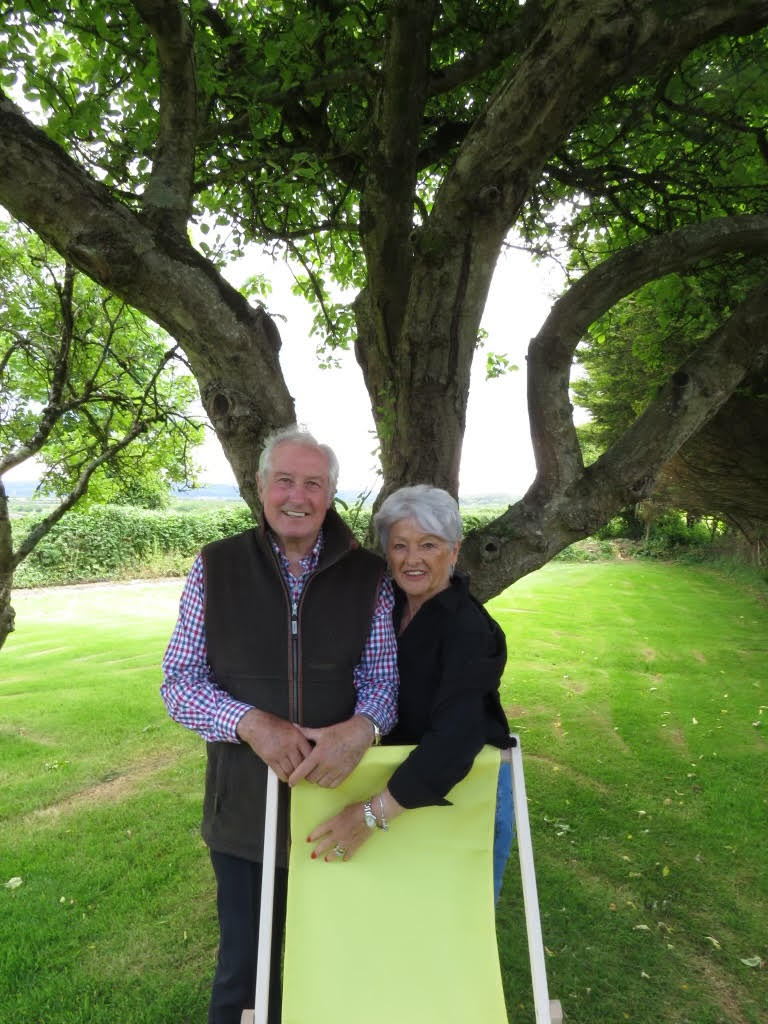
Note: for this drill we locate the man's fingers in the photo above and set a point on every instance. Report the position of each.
(302, 770)
(278, 769)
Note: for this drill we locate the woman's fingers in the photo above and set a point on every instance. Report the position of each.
(339, 837)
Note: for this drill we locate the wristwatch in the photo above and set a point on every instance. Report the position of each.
(376, 729)
(370, 817)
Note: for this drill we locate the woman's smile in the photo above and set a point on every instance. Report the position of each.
(421, 563)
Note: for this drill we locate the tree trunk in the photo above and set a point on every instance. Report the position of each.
(7, 614)
(419, 384)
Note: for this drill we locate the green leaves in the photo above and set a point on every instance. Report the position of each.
(81, 377)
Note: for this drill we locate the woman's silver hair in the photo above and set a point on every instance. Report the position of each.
(294, 434)
(434, 509)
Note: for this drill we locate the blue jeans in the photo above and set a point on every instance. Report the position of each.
(504, 828)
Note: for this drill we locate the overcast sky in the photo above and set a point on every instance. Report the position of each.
(334, 404)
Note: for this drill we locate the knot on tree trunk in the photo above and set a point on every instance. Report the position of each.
(491, 549)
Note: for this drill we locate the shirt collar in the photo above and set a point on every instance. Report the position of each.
(308, 563)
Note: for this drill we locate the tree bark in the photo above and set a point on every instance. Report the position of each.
(722, 470)
(7, 614)
(574, 504)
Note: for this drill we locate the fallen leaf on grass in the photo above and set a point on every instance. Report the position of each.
(13, 883)
(714, 941)
(752, 961)
(641, 928)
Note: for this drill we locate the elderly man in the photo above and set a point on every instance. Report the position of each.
(283, 655)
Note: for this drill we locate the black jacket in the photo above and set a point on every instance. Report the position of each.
(450, 657)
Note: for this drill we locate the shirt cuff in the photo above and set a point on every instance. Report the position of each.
(228, 714)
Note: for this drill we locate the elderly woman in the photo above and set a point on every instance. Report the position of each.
(451, 655)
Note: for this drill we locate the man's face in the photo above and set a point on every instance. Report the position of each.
(296, 494)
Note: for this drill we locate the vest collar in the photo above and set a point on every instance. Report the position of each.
(338, 539)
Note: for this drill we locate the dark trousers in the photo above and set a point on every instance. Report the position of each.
(238, 900)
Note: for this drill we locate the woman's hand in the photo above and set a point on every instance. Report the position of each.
(346, 832)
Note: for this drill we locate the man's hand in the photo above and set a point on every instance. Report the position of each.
(277, 742)
(338, 749)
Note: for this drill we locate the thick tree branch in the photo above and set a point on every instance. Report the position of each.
(386, 204)
(695, 392)
(7, 614)
(232, 347)
(602, 44)
(556, 448)
(168, 195)
(568, 502)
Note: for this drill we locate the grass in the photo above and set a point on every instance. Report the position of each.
(634, 687)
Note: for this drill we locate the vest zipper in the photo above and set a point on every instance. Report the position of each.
(295, 649)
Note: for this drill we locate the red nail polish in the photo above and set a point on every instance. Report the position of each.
(313, 855)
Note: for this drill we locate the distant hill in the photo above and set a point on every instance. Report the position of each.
(228, 492)
(222, 492)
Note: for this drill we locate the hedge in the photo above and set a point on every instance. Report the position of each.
(112, 542)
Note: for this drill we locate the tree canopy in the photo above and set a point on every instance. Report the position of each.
(83, 378)
(390, 146)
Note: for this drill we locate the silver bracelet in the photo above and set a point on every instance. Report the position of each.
(384, 824)
(368, 815)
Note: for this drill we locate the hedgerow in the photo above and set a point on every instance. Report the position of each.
(116, 541)
(113, 542)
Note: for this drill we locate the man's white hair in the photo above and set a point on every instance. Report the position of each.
(297, 435)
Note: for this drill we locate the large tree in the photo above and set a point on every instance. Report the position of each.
(88, 388)
(392, 145)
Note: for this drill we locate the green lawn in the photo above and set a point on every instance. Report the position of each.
(639, 691)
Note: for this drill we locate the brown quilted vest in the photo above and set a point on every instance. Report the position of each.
(254, 657)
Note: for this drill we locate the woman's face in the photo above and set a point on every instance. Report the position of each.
(420, 562)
